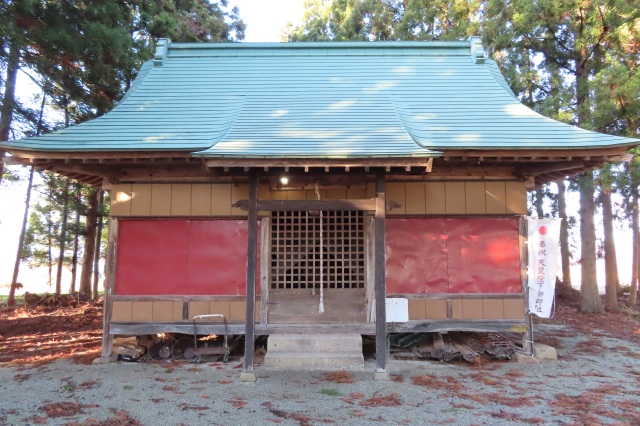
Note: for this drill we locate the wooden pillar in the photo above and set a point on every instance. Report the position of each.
(110, 283)
(380, 281)
(248, 374)
(527, 339)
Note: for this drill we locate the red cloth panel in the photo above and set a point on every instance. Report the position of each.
(182, 257)
(416, 256)
(437, 255)
(484, 255)
(218, 257)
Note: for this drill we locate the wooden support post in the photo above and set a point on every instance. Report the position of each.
(248, 374)
(380, 282)
(527, 339)
(110, 283)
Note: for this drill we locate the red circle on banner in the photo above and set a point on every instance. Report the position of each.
(542, 230)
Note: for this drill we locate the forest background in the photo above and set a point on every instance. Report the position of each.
(573, 60)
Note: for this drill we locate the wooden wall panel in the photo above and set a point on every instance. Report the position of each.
(371, 190)
(264, 193)
(161, 200)
(356, 193)
(162, 310)
(435, 309)
(220, 200)
(180, 200)
(475, 198)
(456, 309)
(142, 311)
(198, 307)
(336, 194)
(415, 198)
(417, 309)
(178, 310)
(121, 200)
(496, 197)
(296, 195)
(171, 311)
(516, 195)
(514, 309)
(121, 311)
(455, 198)
(219, 307)
(435, 198)
(140, 199)
(278, 195)
(396, 191)
(239, 192)
(472, 308)
(311, 194)
(237, 311)
(200, 200)
(493, 308)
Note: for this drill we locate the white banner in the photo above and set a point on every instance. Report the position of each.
(543, 242)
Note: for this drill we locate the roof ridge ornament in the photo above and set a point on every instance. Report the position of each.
(477, 51)
(162, 47)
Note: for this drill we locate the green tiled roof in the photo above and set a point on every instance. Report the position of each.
(337, 100)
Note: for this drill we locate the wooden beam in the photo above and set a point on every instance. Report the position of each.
(319, 162)
(421, 326)
(441, 326)
(252, 247)
(380, 275)
(265, 268)
(536, 169)
(315, 205)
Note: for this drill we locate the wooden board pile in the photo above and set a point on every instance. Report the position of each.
(467, 346)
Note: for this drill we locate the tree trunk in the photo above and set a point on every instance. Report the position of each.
(635, 223)
(539, 210)
(96, 258)
(9, 97)
(89, 244)
(50, 248)
(63, 238)
(565, 253)
(610, 261)
(74, 259)
(589, 297)
(16, 268)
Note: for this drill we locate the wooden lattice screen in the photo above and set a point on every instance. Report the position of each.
(296, 260)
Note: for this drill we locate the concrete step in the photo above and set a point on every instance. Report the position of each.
(314, 352)
(314, 343)
(314, 361)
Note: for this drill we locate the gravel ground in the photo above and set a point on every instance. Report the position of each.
(595, 381)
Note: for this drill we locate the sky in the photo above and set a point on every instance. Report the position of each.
(265, 21)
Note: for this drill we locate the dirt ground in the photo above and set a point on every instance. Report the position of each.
(42, 334)
(45, 379)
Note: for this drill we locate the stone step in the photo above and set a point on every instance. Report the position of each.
(314, 343)
(314, 361)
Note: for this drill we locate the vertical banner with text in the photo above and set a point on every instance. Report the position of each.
(543, 238)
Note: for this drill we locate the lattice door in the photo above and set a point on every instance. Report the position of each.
(297, 261)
